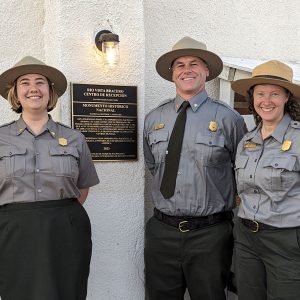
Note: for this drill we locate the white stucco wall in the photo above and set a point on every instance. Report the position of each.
(248, 28)
(61, 32)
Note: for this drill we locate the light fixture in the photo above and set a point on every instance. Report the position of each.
(108, 43)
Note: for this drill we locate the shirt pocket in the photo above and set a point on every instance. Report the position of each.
(158, 141)
(64, 161)
(279, 171)
(210, 149)
(240, 166)
(12, 161)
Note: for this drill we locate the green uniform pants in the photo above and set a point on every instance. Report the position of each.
(267, 263)
(198, 260)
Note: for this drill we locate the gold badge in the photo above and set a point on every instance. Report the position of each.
(159, 126)
(63, 141)
(213, 126)
(286, 145)
(250, 145)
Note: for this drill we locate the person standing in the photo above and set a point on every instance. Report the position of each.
(267, 233)
(46, 170)
(189, 146)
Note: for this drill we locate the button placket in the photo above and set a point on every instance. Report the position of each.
(37, 167)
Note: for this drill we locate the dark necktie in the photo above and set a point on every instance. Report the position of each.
(168, 182)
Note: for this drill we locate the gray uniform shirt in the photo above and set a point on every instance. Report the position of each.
(50, 166)
(205, 182)
(268, 175)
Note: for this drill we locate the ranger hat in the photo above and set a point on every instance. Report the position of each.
(31, 65)
(270, 72)
(189, 47)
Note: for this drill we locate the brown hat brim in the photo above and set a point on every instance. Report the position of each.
(56, 77)
(213, 61)
(241, 86)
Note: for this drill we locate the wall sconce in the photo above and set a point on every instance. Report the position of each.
(108, 43)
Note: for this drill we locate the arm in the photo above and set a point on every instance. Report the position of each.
(83, 195)
(239, 130)
(149, 158)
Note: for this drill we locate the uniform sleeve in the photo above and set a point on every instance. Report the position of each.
(149, 158)
(87, 172)
(238, 131)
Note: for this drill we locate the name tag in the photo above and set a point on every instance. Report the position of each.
(159, 126)
(250, 145)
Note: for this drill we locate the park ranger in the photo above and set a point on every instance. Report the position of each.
(189, 145)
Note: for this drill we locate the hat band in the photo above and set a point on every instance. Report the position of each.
(271, 77)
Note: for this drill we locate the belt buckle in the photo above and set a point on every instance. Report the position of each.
(256, 224)
(182, 224)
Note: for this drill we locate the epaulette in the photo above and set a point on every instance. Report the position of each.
(295, 124)
(253, 129)
(161, 104)
(165, 102)
(6, 124)
(221, 103)
(64, 125)
(224, 104)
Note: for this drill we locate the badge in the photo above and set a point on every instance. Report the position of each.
(52, 133)
(63, 141)
(159, 126)
(213, 126)
(250, 145)
(286, 145)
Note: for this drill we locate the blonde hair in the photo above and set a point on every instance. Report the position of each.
(16, 106)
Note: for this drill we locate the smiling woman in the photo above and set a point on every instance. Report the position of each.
(267, 233)
(33, 96)
(45, 174)
(269, 102)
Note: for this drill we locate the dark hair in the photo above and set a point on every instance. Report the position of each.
(292, 106)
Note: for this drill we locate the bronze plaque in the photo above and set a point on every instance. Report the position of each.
(107, 116)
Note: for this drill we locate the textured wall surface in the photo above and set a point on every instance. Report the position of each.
(247, 28)
(61, 32)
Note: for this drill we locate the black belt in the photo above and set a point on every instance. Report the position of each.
(255, 226)
(185, 224)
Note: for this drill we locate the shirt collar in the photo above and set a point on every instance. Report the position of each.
(255, 135)
(277, 134)
(50, 126)
(195, 102)
(20, 126)
(281, 128)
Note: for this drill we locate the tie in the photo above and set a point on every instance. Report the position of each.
(173, 154)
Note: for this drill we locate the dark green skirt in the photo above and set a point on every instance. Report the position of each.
(45, 250)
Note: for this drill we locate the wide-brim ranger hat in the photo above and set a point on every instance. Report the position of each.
(270, 72)
(189, 47)
(31, 65)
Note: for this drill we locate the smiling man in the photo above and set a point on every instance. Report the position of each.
(189, 145)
